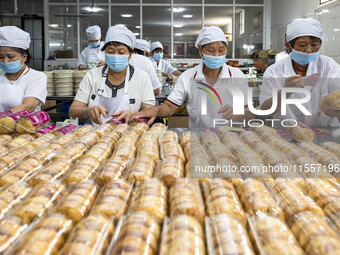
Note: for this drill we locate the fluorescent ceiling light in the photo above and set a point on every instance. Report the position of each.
(187, 16)
(121, 25)
(137, 26)
(136, 34)
(178, 34)
(69, 25)
(54, 25)
(178, 9)
(92, 9)
(126, 15)
(336, 30)
(245, 46)
(178, 25)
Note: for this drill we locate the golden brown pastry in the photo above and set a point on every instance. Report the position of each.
(171, 149)
(77, 203)
(21, 140)
(39, 201)
(30, 123)
(71, 153)
(126, 150)
(143, 168)
(11, 196)
(113, 199)
(110, 138)
(49, 235)
(90, 236)
(321, 155)
(113, 169)
(103, 129)
(140, 128)
(209, 138)
(169, 170)
(332, 147)
(158, 127)
(121, 129)
(148, 149)
(185, 198)
(82, 130)
(11, 229)
(150, 196)
(89, 139)
(168, 136)
(4, 139)
(302, 134)
(100, 152)
(330, 101)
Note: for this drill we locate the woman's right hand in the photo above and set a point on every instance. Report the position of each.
(95, 113)
(294, 81)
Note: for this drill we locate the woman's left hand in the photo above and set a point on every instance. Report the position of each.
(226, 111)
(126, 115)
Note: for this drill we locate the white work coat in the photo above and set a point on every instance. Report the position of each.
(328, 82)
(163, 66)
(186, 91)
(143, 63)
(90, 57)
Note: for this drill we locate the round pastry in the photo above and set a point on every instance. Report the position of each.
(76, 249)
(324, 245)
(282, 247)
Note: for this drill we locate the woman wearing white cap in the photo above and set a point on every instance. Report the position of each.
(159, 63)
(139, 60)
(92, 56)
(115, 87)
(303, 41)
(22, 88)
(213, 72)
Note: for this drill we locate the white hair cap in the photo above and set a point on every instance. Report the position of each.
(142, 45)
(120, 34)
(303, 27)
(93, 33)
(209, 35)
(156, 45)
(11, 36)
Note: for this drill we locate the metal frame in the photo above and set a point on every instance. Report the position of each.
(265, 27)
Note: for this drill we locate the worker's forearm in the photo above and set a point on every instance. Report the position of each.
(25, 107)
(164, 110)
(177, 73)
(79, 112)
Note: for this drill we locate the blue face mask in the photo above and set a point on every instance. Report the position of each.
(158, 56)
(303, 58)
(213, 62)
(95, 45)
(116, 62)
(11, 67)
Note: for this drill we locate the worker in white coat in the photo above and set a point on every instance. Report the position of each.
(156, 51)
(212, 73)
(303, 42)
(92, 56)
(142, 47)
(22, 88)
(141, 62)
(116, 86)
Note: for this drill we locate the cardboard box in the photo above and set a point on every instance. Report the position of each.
(178, 122)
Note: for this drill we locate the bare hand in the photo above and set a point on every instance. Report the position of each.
(124, 115)
(331, 113)
(95, 113)
(169, 76)
(294, 81)
(101, 63)
(227, 112)
(81, 67)
(147, 113)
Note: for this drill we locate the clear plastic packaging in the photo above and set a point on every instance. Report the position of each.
(126, 150)
(45, 130)
(42, 141)
(185, 198)
(113, 199)
(182, 234)
(12, 195)
(140, 120)
(42, 198)
(46, 237)
(110, 138)
(321, 155)
(256, 198)
(114, 122)
(171, 149)
(89, 139)
(169, 170)
(272, 236)
(315, 235)
(186, 138)
(100, 152)
(84, 170)
(32, 122)
(20, 172)
(209, 138)
(130, 136)
(221, 198)
(19, 141)
(71, 153)
(45, 154)
(77, 202)
(53, 171)
(121, 129)
(158, 127)
(65, 130)
(302, 134)
(90, 236)
(103, 129)
(138, 234)
(330, 102)
(332, 147)
(168, 136)
(148, 149)
(11, 228)
(229, 139)
(227, 235)
(82, 130)
(140, 128)
(113, 169)
(8, 121)
(219, 151)
(142, 169)
(151, 197)
(148, 137)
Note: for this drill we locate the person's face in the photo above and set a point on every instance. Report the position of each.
(157, 51)
(306, 44)
(117, 50)
(213, 49)
(8, 54)
(94, 41)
